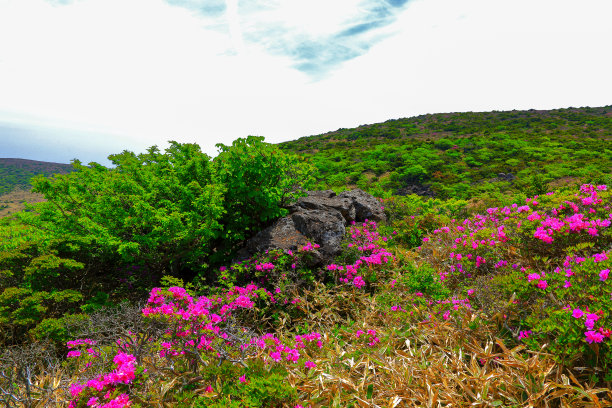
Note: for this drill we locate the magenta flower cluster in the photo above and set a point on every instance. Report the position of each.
(195, 326)
(480, 245)
(366, 239)
(370, 335)
(101, 391)
(276, 351)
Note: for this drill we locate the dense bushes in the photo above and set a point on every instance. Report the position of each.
(466, 155)
(483, 306)
(111, 233)
(551, 257)
(259, 182)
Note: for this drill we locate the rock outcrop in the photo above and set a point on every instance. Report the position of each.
(321, 217)
(418, 189)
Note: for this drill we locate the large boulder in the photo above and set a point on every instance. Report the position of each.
(323, 201)
(283, 234)
(324, 227)
(320, 218)
(367, 207)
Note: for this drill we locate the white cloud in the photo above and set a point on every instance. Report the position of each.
(146, 71)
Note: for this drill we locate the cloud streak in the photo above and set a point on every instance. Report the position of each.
(317, 36)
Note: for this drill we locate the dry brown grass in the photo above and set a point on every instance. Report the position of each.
(438, 364)
(420, 361)
(15, 201)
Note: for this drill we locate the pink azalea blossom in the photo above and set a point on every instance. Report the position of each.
(593, 337)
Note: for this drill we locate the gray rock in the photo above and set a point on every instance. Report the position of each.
(366, 206)
(281, 235)
(320, 218)
(324, 227)
(319, 202)
(321, 193)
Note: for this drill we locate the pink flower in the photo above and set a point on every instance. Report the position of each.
(80, 342)
(524, 334)
(242, 378)
(592, 316)
(542, 284)
(359, 282)
(593, 337)
(75, 389)
(577, 313)
(532, 276)
(74, 353)
(603, 275)
(310, 364)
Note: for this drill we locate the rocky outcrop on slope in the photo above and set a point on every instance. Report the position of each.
(321, 218)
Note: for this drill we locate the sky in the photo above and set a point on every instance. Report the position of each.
(88, 78)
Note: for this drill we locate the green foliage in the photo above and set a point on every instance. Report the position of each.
(412, 217)
(259, 182)
(422, 279)
(154, 209)
(262, 387)
(17, 173)
(465, 155)
(105, 234)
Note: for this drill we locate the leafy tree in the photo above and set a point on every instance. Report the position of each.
(260, 181)
(153, 209)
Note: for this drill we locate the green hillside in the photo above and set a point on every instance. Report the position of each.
(17, 173)
(466, 155)
(122, 288)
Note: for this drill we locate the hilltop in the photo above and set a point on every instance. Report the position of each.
(15, 176)
(16, 173)
(466, 155)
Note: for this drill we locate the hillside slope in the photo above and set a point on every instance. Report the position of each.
(16, 173)
(466, 155)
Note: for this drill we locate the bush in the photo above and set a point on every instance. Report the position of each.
(110, 233)
(259, 182)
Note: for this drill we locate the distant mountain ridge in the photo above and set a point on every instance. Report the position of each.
(17, 173)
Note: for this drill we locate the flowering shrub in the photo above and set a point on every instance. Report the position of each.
(201, 333)
(372, 257)
(272, 269)
(412, 217)
(552, 253)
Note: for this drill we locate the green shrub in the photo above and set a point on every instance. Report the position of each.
(260, 387)
(424, 279)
